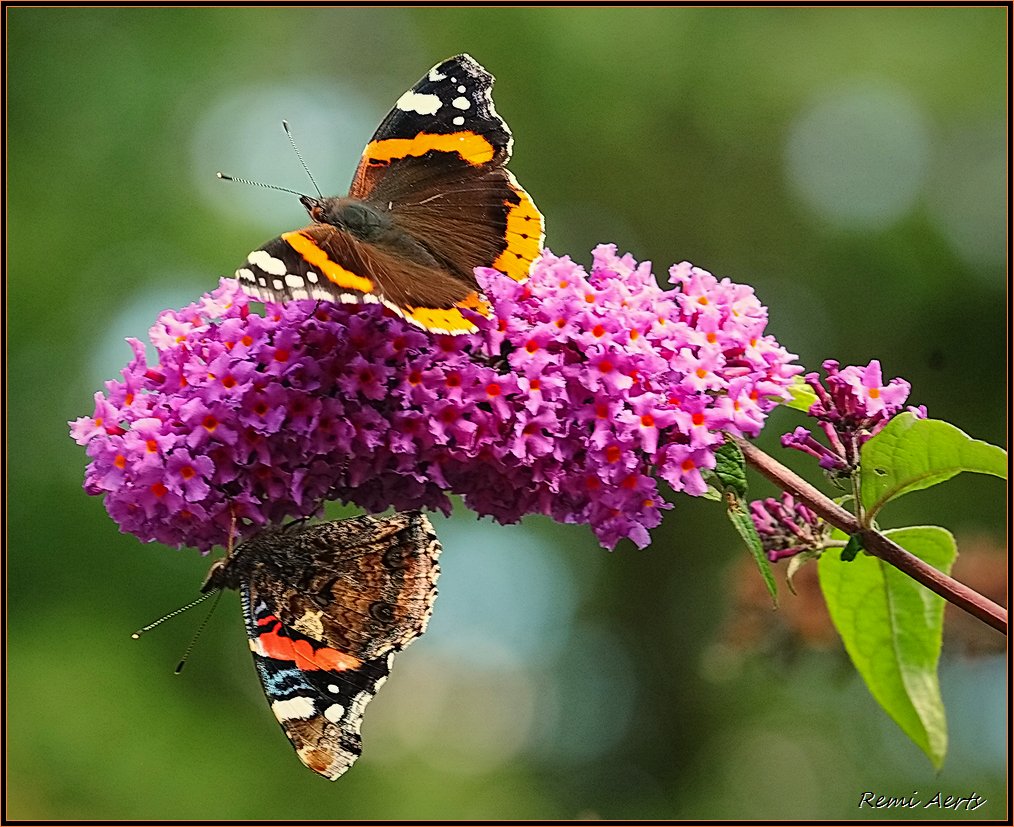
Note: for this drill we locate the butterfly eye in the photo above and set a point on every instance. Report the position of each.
(381, 611)
(313, 207)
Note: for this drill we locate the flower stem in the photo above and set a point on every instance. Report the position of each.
(874, 542)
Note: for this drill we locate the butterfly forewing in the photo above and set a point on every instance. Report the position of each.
(395, 280)
(448, 111)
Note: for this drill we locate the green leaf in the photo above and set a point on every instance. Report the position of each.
(739, 516)
(730, 468)
(852, 548)
(911, 454)
(712, 492)
(803, 396)
(892, 628)
(729, 478)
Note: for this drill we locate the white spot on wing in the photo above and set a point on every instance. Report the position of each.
(334, 713)
(277, 284)
(311, 277)
(461, 103)
(459, 121)
(434, 76)
(243, 274)
(418, 102)
(293, 281)
(461, 89)
(268, 263)
(298, 707)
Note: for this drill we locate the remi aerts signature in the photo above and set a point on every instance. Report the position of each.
(939, 801)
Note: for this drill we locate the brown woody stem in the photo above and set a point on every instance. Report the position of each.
(874, 542)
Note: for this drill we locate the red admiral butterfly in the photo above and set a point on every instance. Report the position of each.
(326, 607)
(430, 201)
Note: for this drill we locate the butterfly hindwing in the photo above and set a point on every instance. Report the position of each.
(431, 200)
(326, 606)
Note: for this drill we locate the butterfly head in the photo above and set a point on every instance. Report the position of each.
(229, 572)
(218, 577)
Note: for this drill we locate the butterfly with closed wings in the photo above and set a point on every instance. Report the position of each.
(326, 607)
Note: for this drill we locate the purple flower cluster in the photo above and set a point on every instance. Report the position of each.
(578, 394)
(786, 527)
(855, 405)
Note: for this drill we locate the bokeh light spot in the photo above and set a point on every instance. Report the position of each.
(859, 156)
(241, 134)
(968, 197)
(506, 589)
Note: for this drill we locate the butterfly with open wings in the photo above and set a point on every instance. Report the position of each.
(430, 201)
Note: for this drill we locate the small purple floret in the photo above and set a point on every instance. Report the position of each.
(787, 527)
(855, 405)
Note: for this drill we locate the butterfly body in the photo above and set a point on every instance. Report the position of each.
(375, 225)
(326, 607)
(430, 201)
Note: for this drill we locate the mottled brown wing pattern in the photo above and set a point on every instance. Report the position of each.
(374, 595)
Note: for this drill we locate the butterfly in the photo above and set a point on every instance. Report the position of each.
(326, 607)
(430, 201)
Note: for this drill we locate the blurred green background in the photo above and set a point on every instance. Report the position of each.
(850, 163)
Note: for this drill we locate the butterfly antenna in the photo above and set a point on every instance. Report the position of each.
(171, 615)
(285, 126)
(225, 177)
(197, 634)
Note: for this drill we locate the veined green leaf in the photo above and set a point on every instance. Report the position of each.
(729, 478)
(892, 628)
(739, 515)
(730, 468)
(910, 454)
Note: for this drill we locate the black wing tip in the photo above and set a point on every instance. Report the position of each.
(466, 62)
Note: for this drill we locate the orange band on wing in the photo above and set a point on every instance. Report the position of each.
(447, 320)
(471, 147)
(473, 301)
(308, 249)
(524, 238)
